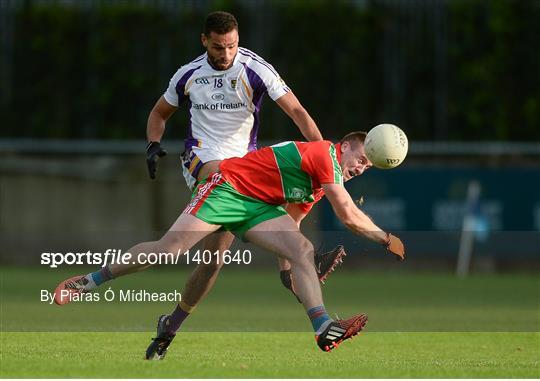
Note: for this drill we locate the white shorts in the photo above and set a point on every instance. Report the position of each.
(194, 158)
(191, 165)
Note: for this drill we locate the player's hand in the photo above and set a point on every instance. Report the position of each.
(153, 152)
(395, 246)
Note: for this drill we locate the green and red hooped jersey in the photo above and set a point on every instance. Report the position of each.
(289, 172)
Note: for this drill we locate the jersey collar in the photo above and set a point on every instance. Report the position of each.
(338, 152)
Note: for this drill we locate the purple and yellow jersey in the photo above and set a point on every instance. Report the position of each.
(224, 105)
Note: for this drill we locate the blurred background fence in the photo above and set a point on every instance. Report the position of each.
(462, 78)
(457, 70)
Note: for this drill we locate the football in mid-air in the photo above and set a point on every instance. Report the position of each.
(386, 146)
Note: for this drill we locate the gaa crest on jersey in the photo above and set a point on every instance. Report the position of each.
(233, 84)
(297, 194)
(202, 81)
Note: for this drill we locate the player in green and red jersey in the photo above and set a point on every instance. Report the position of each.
(245, 197)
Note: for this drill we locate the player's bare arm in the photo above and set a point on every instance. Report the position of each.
(357, 221)
(155, 127)
(161, 112)
(294, 109)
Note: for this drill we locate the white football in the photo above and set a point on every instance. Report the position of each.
(386, 146)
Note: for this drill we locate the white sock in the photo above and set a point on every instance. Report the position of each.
(90, 285)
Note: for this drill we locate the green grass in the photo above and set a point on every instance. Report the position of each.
(421, 325)
(261, 355)
(250, 300)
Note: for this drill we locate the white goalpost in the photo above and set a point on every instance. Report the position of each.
(466, 243)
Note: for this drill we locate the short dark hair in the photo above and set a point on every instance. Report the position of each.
(220, 22)
(354, 138)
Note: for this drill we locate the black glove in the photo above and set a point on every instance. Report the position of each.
(153, 151)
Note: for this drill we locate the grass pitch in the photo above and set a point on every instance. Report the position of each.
(261, 355)
(421, 325)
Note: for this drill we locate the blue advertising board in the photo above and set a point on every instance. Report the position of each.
(432, 200)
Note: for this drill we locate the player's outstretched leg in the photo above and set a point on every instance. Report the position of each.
(185, 233)
(325, 264)
(158, 348)
(197, 287)
(281, 236)
(339, 330)
(204, 276)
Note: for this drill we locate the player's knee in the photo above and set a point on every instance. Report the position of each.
(172, 242)
(305, 251)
